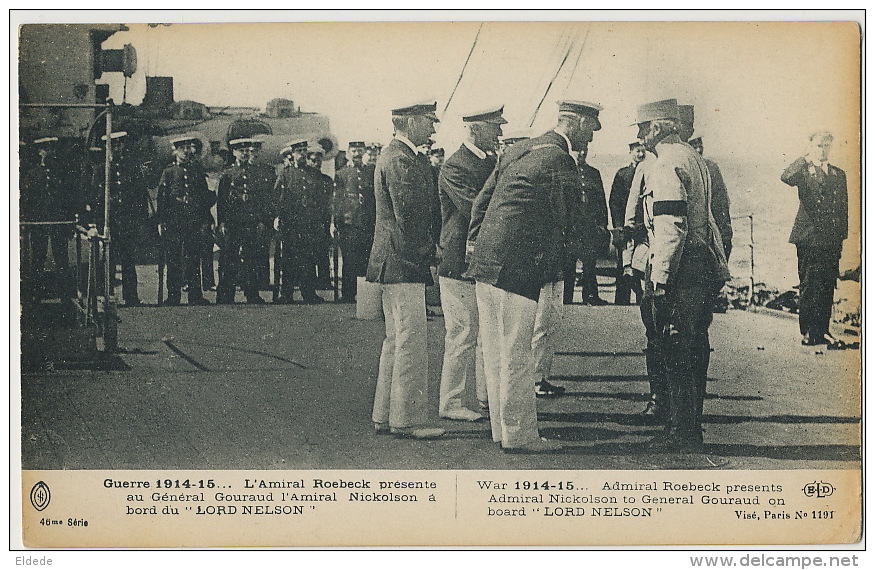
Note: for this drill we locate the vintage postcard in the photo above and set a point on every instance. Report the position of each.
(250, 281)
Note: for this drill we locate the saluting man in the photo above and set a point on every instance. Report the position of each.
(819, 231)
(184, 202)
(461, 178)
(243, 211)
(403, 252)
(687, 264)
(354, 218)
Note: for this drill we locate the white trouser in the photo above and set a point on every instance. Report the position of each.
(463, 354)
(507, 322)
(402, 382)
(547, 322)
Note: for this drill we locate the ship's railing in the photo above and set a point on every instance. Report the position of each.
(97, 308)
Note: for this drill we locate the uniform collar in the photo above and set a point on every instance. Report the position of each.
(475, 149)
(564, 136)
(407, 141)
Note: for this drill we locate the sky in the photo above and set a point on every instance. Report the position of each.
(751, 82)
(759, 87)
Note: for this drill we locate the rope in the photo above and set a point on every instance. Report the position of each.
(579, 54)
(467, 59)
(550, 85)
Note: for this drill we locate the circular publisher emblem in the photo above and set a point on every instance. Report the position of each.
(40, 496)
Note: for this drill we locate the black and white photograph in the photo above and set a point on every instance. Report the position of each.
(571, 279)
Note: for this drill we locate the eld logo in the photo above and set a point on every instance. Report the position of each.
(819, 489)
(40, 496)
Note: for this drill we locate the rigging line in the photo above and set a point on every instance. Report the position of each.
(560, 45)
(550, 85)
(579, 54)
(464, 67)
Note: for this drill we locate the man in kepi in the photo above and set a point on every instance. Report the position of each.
(687, 265)
(184, 203)
(243, 212)
(519, 251)
(719, 192)
(400, 262)
(461, 178)
(820, 228)
(354, 213)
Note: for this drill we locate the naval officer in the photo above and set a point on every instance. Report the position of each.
(461, 178)
(400, 261)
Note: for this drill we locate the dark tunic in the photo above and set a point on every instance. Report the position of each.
(462, 177)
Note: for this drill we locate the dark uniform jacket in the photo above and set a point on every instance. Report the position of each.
(720, 205)
(303, 200)
(461, 179)
(48, 195)
(822, 219)
(353, 202)
(183, 196)
(527, 227)
(404, 247)
(129, 196)
(244, 195)
(620, 194)
(595, 209)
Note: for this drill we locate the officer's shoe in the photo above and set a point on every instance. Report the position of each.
(346, 300)
(544, 389)
(539, 446)
(313, 299)
(655, 411)
(381, 428)
(596, 301)
(198, 301)
(462, 415)
(172, 301)
(224, 301)
(284, 301)
(133, 303)
(255, 300)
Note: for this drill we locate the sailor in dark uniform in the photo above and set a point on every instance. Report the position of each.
(184, 203)
(47, 195)
(299, 219)
(594, 233)
(819, 231)
(354, 218)
(129, 209)
(617, 200)
(519, 250)
(323, 190)
(244, 211)
(461, 179)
